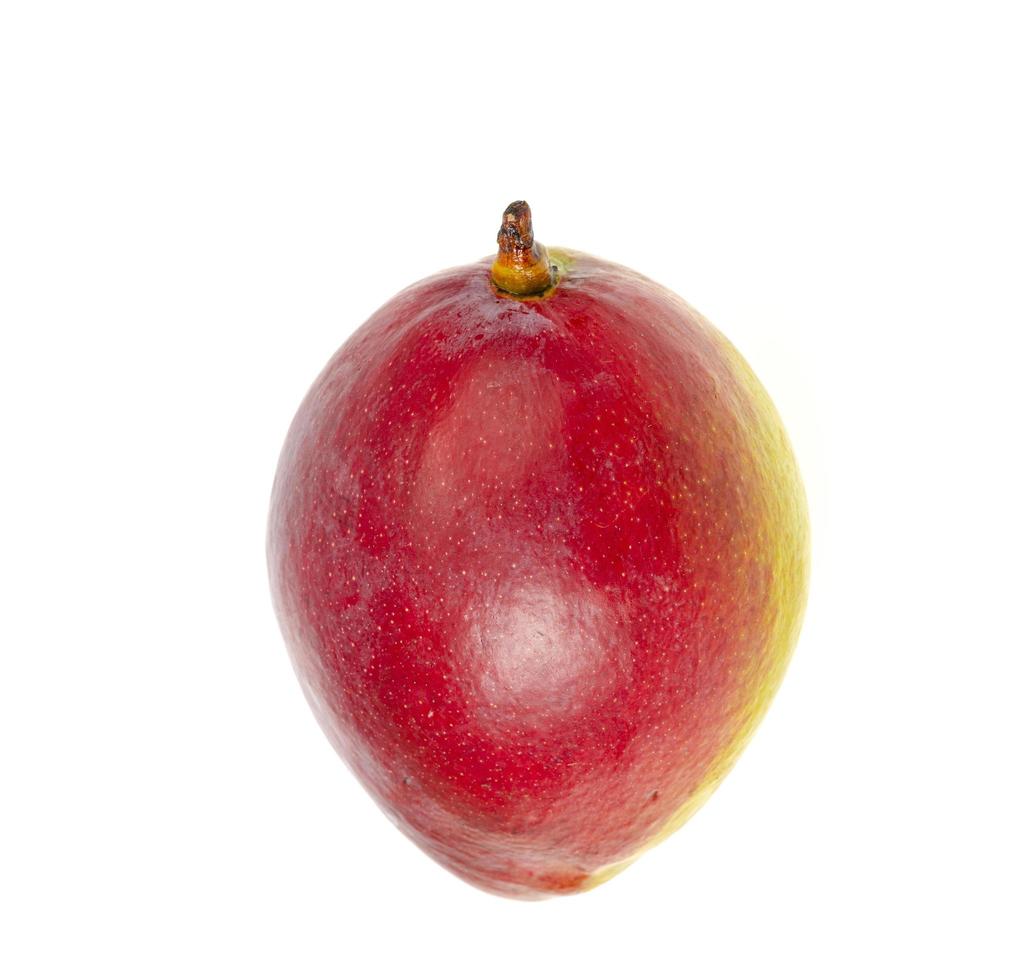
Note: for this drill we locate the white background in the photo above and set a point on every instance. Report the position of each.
(200, 201)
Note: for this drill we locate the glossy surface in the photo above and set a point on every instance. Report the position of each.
(540, 566)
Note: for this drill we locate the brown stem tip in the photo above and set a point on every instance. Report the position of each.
(522, 267)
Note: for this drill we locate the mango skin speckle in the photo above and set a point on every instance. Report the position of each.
(540, 565)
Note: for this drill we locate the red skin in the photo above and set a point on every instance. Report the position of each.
(515, 547)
